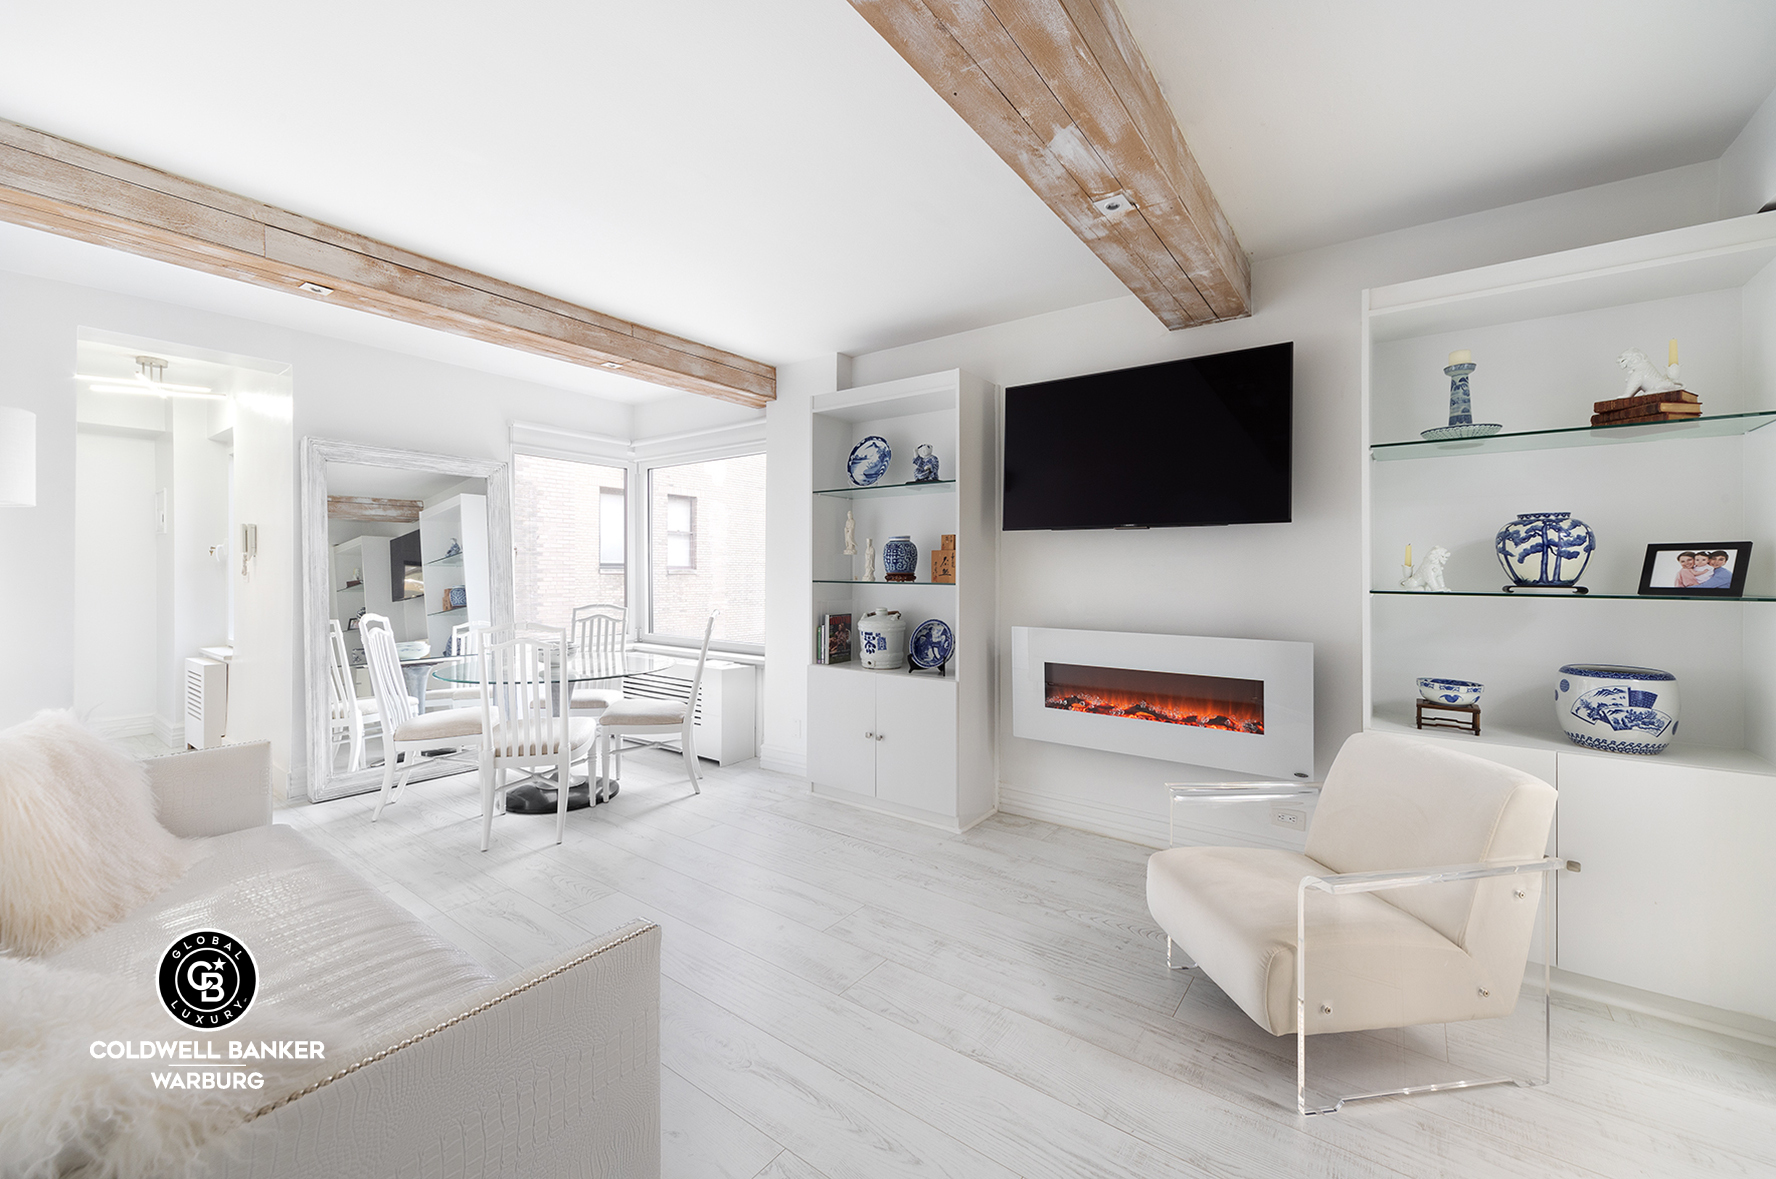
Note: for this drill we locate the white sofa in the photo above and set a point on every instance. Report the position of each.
(554, 1072)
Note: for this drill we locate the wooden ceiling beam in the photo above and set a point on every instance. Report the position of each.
(68, 189)
(1059, 89)
(370, 508)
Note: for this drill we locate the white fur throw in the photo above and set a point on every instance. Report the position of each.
(79, 843)
(63, 1113)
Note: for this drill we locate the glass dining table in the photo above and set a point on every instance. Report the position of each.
(582, 669)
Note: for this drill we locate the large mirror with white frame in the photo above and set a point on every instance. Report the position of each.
(422, 540)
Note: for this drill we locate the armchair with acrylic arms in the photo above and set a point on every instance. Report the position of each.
(1386, 944)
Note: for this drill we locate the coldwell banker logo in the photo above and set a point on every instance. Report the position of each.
(207, 979)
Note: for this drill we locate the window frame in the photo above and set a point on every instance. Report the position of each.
(592, 457)
(689, 533)
(641, 525)
(622, 494)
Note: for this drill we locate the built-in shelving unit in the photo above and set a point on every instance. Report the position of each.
(459, 521)
(1673, 845)
(880, 490)
(1725, 425)
(913, 744)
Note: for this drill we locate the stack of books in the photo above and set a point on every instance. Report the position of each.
(1677, 406)
(832, 639)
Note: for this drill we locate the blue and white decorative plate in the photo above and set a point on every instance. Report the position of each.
(932, 644)
(869, 460)
(1456, 433)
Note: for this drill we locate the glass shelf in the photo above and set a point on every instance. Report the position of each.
(885, 584)
(454, 561)
(890, 489)
(441, 613)
(1724, 425)
(346, 589)
(1569, 596)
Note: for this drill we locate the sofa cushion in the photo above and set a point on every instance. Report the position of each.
(79, 843)
(327, 944)
(1233, 911)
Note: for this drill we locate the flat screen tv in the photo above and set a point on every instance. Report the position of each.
(1187, 442)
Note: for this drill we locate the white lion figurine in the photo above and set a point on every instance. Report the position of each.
(1428, 577)
(1642, 376)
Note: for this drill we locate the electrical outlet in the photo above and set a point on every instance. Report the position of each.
(1282, 816)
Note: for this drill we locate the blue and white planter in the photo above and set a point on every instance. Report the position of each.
(1617, 709)
(900, 557)
(1545, 548)
(1453, 692)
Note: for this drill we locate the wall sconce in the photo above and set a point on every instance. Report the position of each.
(18, 457)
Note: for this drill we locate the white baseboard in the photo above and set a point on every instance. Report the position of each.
(170, 732)
(1696, 1015)
(122, 726)
(784, 760)
(1135, 826)
(911, 814)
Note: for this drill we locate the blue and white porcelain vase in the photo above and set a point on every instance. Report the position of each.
(924, 464)
(900, 557)
(1616, 709)
(1545, 548)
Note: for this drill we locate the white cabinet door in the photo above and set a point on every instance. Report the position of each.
(1676, 882)
(842, 729)
(916, 753)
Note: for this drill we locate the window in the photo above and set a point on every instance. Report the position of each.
(611, 529)
(706, 550)
(568, 536)
(681, 532)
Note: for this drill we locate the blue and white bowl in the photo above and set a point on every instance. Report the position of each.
(932, 644)
(869, 461)
(1455, 692)
(1615, 708)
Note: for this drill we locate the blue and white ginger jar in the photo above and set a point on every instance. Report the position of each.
(900, 557)
(1545, 548)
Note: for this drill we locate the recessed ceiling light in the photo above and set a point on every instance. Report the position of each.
(610, 364)
(314, 288)
(1114, 205)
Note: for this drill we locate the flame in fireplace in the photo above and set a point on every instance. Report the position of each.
(1206, 702)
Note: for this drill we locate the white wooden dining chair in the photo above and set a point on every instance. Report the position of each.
(351, 718)
(521, 678)
(597, 632)
(655, 719)
(406, 732)
(465, 640)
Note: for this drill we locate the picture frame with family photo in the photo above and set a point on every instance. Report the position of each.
(1707, 569)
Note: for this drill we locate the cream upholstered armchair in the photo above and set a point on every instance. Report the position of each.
(1414, 903)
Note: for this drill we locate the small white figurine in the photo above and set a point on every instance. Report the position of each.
(1642, 376)
(1428, 576)
(869, 558)
(850, 535)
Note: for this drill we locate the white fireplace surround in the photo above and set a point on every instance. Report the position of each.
(1283, 750)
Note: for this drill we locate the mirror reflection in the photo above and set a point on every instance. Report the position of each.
(411, 547)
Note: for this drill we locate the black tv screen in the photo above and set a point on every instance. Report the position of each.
(1199, 441)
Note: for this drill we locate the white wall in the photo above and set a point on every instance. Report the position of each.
(1151, 581)
(1748, 166)
(114, 584)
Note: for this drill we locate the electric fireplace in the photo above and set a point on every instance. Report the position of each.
(1169, 697)
(1234, 704)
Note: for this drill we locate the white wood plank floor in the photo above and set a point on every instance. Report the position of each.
(850, 995)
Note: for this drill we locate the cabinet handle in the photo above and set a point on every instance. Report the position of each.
(867, 736)
(878, 736)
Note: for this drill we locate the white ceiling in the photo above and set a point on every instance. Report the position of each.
(770, 177)
(1321, 122)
